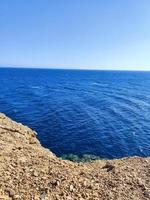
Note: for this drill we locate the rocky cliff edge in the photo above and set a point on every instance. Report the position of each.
(28, 171)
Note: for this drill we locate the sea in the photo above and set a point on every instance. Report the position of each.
(101, 113)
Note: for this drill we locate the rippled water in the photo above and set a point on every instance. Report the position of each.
(105, 113)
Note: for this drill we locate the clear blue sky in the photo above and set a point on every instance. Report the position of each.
(93, 34)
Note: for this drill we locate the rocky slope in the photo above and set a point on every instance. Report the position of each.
(30, 172)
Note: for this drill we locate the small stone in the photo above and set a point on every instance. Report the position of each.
(15, 197)
(35, 173)
(10, 192)
(147, 194)
(58, 183)
(84, 183)
(19, 148)
(90, 187)
(43, 195)
(82, 173)
(71, 188)
(69, 198)
(109, 167)
(54, 183)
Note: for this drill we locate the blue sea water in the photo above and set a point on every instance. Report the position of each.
(104, 113)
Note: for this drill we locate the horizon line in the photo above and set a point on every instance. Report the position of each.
(71, 68)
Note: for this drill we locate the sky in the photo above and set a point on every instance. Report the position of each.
(81, 34)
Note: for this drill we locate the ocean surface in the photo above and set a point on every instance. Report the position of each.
(103, 113)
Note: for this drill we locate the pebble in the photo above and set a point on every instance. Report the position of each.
(10, 192)
(84, 183)
(147, 194)
(71, 188)
(16, 197)
(35, 173)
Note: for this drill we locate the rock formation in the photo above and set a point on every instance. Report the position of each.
(28, 171)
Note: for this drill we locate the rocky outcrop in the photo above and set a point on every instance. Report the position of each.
(30, 172)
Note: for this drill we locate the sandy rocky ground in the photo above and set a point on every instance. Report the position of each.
(28, 171)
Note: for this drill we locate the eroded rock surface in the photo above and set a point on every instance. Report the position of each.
(30, 172)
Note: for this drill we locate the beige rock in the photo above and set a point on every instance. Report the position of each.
(71, 188)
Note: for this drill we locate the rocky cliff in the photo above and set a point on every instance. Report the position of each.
(28, 171)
